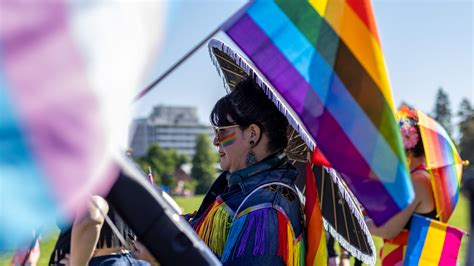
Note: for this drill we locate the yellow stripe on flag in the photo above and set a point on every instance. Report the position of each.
(359, 40)
(434, 242)
(321, 254)
(320, 6)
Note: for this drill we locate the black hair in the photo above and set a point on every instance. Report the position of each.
(418, 150)
(247, 104)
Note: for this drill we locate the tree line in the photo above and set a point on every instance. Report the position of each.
(164, 163)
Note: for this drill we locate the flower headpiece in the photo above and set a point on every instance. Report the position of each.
(407, 120)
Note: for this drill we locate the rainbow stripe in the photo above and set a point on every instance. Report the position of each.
(228, 140)
(316, 253)
(444, 164)
(57, 76)
(324, 58)
(432, 243)
(392, 252)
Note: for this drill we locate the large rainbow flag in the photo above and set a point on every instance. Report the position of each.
(324, 60)
(432, 243)
(444, 164)
(68, 71)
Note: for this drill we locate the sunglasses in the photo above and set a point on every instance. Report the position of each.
(220, 131)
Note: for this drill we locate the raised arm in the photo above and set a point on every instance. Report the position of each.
(423, 197)
(86, 231)
(394, 226)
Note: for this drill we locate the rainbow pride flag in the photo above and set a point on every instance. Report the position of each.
(325, 63)
(432, 243)
(444, 164)
(316, 253)
(68, 71)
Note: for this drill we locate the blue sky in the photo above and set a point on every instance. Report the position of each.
(427, 44)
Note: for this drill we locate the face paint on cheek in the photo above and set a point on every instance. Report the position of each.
(228, 140)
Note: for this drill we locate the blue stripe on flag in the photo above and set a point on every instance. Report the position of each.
(418, 232)
(22, 184)
(307, 61)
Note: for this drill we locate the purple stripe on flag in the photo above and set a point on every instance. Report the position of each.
(452, 242)
(278, 70)
(332, 139)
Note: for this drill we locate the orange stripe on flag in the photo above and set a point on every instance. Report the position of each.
(317, 252)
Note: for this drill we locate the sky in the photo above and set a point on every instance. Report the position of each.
(427, 44)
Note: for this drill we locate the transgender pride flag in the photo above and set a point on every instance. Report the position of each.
(68, 72)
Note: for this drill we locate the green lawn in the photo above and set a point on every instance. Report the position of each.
(459, 219)
(189, 204)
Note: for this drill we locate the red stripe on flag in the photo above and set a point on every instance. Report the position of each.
(319, 158)
(394, 258)
(363, 9)
(313, 216)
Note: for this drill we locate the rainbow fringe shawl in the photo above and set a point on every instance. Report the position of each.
(232, 239)
(214, 226)
(290, 249)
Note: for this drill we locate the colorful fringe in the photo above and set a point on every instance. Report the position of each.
(214, 227)
(255, 220)
(290, 249)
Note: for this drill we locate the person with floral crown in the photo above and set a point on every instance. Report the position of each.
(395, 231)
(253, 213)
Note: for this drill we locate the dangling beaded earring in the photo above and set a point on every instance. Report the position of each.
(251, 159)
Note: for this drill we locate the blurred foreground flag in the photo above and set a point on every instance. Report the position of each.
(68, 72)
(325, 62)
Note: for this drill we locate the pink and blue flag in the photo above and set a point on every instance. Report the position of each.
(68, 72)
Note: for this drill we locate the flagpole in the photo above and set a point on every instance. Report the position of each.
(223, 26)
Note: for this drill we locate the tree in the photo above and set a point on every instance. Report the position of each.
(203, 171)
(163, 163)
(466, 131)
(442, 110)
(466, 110)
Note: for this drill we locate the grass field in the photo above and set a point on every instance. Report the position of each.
(459, 219)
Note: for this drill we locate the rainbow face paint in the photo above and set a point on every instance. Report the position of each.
(228, 140)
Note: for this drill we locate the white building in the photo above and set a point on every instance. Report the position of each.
(169, 127)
